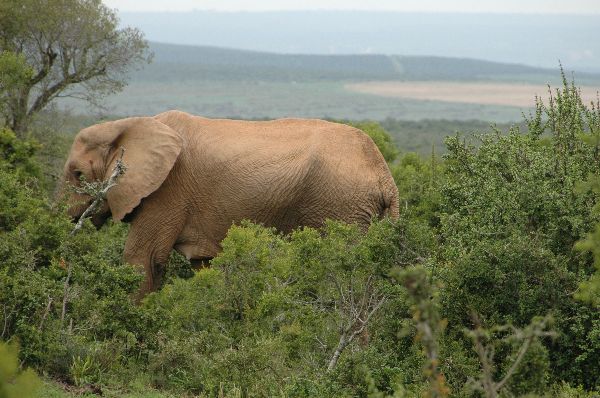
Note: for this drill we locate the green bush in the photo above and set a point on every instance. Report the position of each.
(511, 212)
(15, 383)
(36, 252)
(271, 308)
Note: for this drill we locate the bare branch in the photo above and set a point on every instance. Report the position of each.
(118, 171)
(356, 326)
(66, 293)
(536, 330)
(72, 43)
(46, 312)
(5, 321)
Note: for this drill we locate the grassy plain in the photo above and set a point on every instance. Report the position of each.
(259, 99)
(420, 100)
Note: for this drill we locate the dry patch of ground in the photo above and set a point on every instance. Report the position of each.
(511, 94)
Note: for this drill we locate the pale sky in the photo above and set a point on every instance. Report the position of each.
(495, 6)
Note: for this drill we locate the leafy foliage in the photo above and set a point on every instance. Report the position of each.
(280, 302)
(14, 75)
(35, 249)
(64, 48)
(510, 216)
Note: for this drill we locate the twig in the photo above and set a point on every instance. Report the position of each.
(537, 330)
(323, 345)
(5, 320)
(66, 292)
(485, 352)
(45, 315)
(424, 305)
(118, 171)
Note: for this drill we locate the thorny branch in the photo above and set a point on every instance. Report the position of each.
(360, 311)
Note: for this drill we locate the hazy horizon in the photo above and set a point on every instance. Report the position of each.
(579, 7)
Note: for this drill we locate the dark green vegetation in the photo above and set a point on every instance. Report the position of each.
(447, 301)
(270, 100)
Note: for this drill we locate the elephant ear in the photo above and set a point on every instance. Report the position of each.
(151, 149)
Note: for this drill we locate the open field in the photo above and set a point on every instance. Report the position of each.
(487, 93)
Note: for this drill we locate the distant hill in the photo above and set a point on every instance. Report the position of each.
(181, 62)
(531, 39)
(220, 82)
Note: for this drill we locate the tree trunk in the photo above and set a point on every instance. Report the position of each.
(19, 122)
(338, 351)
(18, 125)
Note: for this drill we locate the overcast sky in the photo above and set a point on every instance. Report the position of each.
(496, 6)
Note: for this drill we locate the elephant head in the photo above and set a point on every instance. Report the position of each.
(151, 149)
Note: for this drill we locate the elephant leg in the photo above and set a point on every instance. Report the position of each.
(151, 264)
(149, 247)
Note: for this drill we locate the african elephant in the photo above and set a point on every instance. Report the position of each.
(189, 178)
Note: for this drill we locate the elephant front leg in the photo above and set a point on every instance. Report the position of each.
(151, 257)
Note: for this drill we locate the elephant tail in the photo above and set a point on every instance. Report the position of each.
(391, 201)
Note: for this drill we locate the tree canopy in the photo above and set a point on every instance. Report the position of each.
(61, 48)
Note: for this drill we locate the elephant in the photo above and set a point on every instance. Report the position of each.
(189, 178)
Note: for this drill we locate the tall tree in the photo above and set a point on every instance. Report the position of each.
(72, 48)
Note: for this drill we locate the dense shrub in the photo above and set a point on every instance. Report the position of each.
(274, 308)
(486, 244)
(511, 212)
(36, 252)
